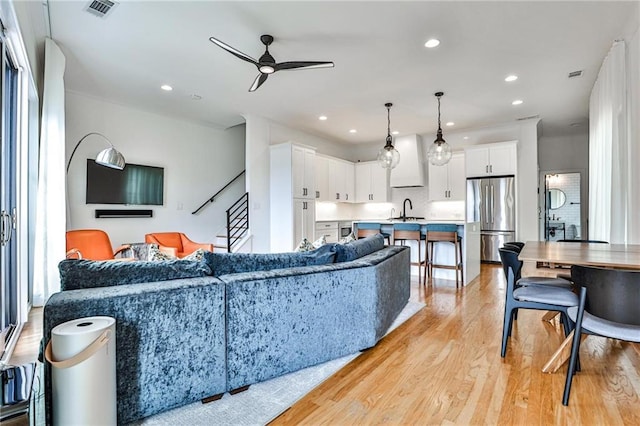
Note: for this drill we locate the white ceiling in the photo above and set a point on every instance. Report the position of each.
(379, 54)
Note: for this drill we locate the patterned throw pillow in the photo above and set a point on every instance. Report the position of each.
(156, 255)
(305, 245)
(347, 239)
(319, 242)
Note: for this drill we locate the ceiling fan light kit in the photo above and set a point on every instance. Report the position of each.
(267, 64)
(439, 152)
(388, 156)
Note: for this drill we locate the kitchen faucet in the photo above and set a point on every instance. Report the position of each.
(404, 208)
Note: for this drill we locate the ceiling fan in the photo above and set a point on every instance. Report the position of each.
(267, 64)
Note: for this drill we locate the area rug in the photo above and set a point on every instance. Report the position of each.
(266, 400)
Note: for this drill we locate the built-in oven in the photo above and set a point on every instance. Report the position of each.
(344, 229)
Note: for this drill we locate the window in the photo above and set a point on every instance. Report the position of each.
(8, 196)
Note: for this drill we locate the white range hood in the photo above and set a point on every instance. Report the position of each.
(410, 170)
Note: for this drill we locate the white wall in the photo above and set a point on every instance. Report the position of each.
(197, 161)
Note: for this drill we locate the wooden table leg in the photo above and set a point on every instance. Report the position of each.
(550, 315)
(561, 355)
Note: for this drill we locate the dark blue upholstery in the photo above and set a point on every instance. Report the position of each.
(78, 274)
(358, 248)
(233, 263)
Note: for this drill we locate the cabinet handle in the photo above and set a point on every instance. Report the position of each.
(486, 169)
(491, 168)
(317, 194)
(337, 196)
(346, 197)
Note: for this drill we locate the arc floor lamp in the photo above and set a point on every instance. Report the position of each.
(108, 157)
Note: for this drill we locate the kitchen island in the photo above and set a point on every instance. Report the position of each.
(443, 253)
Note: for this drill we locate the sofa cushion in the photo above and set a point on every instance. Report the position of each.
(233, 263)
(356, 249)
(79, 274)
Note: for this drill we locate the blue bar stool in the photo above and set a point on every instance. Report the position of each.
(366, 229)
(411, 232)
(444, 233)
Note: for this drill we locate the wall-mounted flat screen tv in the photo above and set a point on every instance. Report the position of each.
(135, 184)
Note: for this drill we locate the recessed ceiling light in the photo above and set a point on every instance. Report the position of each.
(395, 132)
(511, 78)
(322, 118)
(517, 102)
(353, 131)
(196, 97)
(166, 87)
(450, 123)
(432, 43)
(466, 138)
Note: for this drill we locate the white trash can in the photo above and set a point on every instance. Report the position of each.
(82, 354)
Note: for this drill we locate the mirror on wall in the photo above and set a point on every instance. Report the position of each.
(557, 198)
(562, 220)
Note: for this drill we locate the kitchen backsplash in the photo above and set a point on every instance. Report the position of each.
(442, 210)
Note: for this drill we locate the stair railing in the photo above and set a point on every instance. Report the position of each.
(237, 220)
(213, 197)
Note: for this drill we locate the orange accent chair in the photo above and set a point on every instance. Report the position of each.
(175, 243)
(91, 244)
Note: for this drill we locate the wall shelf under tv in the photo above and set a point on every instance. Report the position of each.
(113, 214)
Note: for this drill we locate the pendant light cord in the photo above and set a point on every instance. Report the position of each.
(439, 127)
(388, 121)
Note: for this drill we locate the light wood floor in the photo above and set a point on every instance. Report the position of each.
(443, 366)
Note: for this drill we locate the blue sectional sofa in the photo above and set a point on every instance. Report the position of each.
(238, 319)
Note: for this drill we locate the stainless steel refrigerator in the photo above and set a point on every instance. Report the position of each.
(492, 202)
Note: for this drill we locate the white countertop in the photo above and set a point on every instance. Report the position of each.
(419, 221)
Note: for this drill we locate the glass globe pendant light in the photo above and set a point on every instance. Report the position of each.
(439, 152)
(388, 156)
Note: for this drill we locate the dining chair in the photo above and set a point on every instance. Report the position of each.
(511, 259)
(517, 245)
(538, 297)
(366, 229)
(175, 244)
(91, 244)
(608, 307)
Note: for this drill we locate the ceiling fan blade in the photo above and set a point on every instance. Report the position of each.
(261, 78)
(297, 65)
(233, 51)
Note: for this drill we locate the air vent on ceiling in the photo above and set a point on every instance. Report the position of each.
(528, 118)
(100, 8)
(574, 74)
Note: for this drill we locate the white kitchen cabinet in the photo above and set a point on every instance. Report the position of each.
(292, 195)
(322, 179)
(341, 184)
(448, 182)
(494, 159)
(303, 166)
(304, 220)
(372, 184)
(328, 230)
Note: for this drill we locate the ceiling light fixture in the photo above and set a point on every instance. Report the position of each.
(432, 43)
(439, 152)
(353, 131)
(511, 78)
(166, 87)
(388, 156)
(517, 102)
(450, 123)
(395, 132)
(322, 118)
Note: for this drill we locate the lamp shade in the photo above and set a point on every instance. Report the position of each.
(439, 154)
(388, 157)
(111, 157)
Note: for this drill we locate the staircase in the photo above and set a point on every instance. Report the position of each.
(236, 233)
